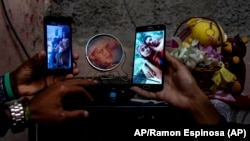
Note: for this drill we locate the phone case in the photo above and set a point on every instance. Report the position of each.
(149, 57)
(58, 45)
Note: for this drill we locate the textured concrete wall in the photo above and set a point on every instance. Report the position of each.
(116, 17)
(119, 17)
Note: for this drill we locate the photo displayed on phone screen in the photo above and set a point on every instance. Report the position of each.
(149, 57)
(58, 46)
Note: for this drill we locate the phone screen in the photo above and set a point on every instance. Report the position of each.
(58, 45)
(149, 57)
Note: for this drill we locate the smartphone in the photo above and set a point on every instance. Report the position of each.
(148, 58)
(58, 45)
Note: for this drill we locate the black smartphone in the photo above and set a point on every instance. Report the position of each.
(58, 45)
(149, 61)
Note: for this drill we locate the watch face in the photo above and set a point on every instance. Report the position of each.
(104, 52)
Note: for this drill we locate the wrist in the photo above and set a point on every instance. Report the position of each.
(3, 94)
(14, 85)
(203, 111)
(5, 121)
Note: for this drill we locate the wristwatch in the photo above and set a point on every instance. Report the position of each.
(17, 116)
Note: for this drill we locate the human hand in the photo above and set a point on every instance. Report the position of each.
(46, 107)
(30, 77)
(181, 90)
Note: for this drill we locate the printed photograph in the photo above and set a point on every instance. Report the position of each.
(104, 52)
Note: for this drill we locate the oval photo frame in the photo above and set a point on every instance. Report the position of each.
(104, 52)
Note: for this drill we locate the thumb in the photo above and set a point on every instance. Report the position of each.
(172, 62)
(76, 114)
(38, 59)
(31, 64)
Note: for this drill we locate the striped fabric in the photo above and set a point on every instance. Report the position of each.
(232, 114)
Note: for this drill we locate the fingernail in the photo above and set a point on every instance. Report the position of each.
(86, 113)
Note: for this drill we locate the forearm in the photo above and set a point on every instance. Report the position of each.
(5, 96)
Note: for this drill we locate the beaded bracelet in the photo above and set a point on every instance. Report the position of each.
(26, 110)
